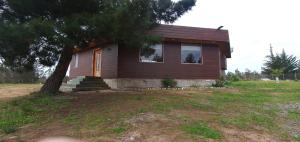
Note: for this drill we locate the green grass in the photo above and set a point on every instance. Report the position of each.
(294, 115)
(245, 106)
(24, 110)
(118, 130)
(201, 129)
(250, 119)
(297, 138)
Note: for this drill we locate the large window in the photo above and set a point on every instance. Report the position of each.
(152, 54)
(191, 54)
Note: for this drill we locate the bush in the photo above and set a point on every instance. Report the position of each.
(232, 77)
(169, 83)
(219, 83)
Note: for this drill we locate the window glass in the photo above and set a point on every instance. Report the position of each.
(191, 54)
(75, 57)
(152, 54)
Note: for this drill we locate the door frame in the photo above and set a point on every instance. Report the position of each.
(94, 62)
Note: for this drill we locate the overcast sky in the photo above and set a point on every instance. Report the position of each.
(252, 25)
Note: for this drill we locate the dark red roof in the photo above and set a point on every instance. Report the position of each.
(193, 34)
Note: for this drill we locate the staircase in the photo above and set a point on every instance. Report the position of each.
(90, 83)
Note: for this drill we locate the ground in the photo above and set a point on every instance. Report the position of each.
(254, 111)
(15, 90)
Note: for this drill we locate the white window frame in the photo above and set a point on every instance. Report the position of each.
(163, 55)
(196, 45)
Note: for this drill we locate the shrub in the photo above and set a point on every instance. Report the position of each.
(169, 83)
(232, 77)
(219, 83)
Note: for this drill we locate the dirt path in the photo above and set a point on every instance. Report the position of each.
(15, 90)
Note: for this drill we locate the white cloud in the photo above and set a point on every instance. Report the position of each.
(253, 25)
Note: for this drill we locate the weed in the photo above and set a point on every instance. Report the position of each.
(24, 110)
(201, 129)
(297, 138)
(294, 115)
(72, 118)
(118, 130)
(250, 119)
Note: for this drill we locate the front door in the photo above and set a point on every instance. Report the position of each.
(97, 63)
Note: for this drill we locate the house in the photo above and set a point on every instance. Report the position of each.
(192, 56)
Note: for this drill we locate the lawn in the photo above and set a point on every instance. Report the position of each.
(15, 90)
(244, 111)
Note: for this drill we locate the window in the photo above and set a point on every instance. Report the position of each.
(152, 54)
(191, 54)
(75, 57)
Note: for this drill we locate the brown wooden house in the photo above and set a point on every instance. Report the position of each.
(192, 56)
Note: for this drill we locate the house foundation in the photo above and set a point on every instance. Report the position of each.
(125, 83)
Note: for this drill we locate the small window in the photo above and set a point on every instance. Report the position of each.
(75, 57)
(191, 54)
(152, 54)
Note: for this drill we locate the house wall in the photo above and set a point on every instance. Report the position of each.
(130, 67)
(109, 64)
(223, 62)
(85, 64)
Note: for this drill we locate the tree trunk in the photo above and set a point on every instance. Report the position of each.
(54, 82)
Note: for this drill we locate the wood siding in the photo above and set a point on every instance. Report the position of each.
(109, 62)
(223, 62)
(130, 67)
(85, 65)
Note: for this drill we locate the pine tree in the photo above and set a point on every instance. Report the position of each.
(279, 62)
(48, 31)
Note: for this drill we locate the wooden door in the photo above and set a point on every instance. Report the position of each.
(97, 63)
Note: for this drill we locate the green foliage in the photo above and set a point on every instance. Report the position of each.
(280, 64)
(9, 76)
(276, 72)
(297, 138)
(72, 118)
(220, 82)
(118, 130)
(250, 119)
(294, 115)
(169, 83)
(41, 31)
(37, 30)
(201, 129)
(232, 77)
(246, 75)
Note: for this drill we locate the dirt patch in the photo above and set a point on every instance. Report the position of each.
(60, 139)
(292, 127)
(237, 135)
(17, 90)
(193, 115)
(228, 90)
(31, 133)
(150, 127)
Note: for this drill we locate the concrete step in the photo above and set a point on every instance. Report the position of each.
(93, 82)
(92, 79)
(92, 85)
(89, 88)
